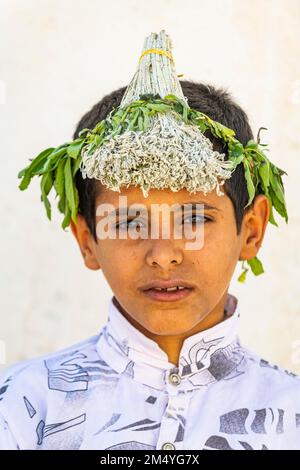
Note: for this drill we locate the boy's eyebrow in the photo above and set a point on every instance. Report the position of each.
(205, 205)
(124, 210)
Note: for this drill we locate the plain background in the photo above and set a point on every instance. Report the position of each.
(58, 58)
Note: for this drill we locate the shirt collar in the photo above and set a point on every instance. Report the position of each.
(205, 357)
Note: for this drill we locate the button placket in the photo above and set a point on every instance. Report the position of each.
(174, 378)
(173, 420)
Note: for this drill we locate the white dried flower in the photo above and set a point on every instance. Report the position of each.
(169, 154)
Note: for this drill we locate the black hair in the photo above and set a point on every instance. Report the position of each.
(218, 104)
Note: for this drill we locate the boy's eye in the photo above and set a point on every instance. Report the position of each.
(129, 224)
(201, 218)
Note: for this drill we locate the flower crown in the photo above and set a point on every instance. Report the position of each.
(152, 141)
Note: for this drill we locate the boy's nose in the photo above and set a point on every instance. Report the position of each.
(163, 253)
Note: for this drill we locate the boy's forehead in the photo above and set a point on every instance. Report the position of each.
(134, 195)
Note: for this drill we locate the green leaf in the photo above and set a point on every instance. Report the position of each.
(146, 119)
(140, 123)
(76, 165)
(250, 185)
(22, 172)
(84, 131)
(67, 218)
(74, 148)
(236, 152)
(271, 216)
(251, 144)
(133, 121)
(70, 189)
(47, 205)
(276, 185)
(185, 114)
(46, 185)
(264, 173)
(159, 108)
(28, 172)
(99, 128)
(280, 208)
(171, 97)
(62, 204)
(226, 130)
(59, 182)
(202, 126)
(52, 161)
(256, 266)
(242, 277)
(116, 120)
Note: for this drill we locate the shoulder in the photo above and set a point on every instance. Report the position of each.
(270, 378)
(24, 371)
(28, 387)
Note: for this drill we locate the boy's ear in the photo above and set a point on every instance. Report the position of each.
(86, 242)
(254, 226)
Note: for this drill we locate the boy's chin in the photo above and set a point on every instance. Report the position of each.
(168, 323)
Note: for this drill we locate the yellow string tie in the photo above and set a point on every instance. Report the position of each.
(162, 52)
(157, 51)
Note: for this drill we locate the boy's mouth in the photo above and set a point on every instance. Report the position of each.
(170, 290)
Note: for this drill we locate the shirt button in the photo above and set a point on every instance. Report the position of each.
(168, 446)
(174, 378)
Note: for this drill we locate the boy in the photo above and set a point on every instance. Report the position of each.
(167, 371)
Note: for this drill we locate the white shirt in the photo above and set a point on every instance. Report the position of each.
(117, 390)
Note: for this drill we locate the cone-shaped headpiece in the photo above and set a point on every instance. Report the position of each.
(170, 153)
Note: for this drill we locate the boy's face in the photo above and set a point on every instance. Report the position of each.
(130, 264)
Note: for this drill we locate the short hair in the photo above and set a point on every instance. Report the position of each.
(217, 103)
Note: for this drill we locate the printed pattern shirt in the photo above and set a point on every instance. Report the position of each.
(117, 390)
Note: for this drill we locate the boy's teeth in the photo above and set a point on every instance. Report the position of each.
(170, 288)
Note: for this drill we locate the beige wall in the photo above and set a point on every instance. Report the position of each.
(58, 57)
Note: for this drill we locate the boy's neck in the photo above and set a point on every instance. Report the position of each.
(172, 344)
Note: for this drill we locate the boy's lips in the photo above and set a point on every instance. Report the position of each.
(153, 289)
(164, 284)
